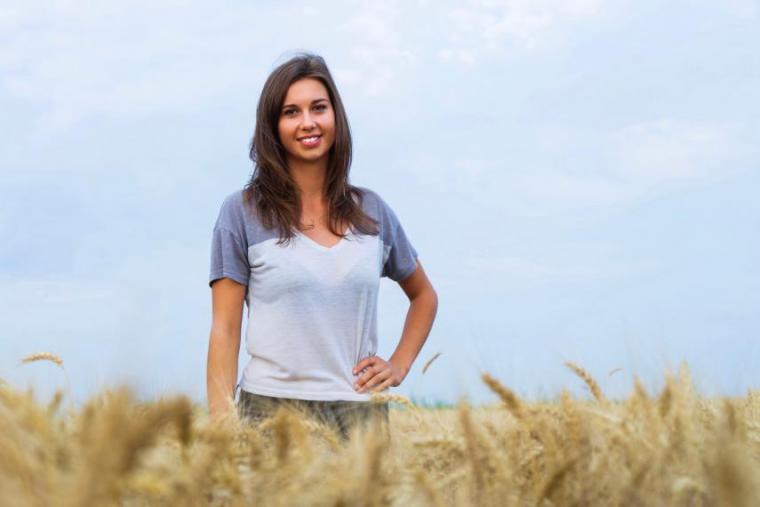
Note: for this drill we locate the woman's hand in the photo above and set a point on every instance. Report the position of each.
(378, 375)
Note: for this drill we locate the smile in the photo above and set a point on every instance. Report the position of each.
(310, 142)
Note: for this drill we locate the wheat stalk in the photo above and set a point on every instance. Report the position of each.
(588, 379)
(49, 356)
(43, 356)
(473, 448)
(398, 398)
(430, 361)
(562, 452)
(510, 399)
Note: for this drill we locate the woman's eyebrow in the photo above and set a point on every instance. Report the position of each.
(313, 102)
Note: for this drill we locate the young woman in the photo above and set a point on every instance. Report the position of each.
(304, 250)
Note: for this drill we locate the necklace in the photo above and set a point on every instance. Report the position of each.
(308, 226)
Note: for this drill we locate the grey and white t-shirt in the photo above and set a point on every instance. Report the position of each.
(312, 309)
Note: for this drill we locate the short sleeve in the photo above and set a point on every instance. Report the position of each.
(229, 250)
(228, 257)
(401, 260)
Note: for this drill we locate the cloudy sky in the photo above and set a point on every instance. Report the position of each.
(580, 178)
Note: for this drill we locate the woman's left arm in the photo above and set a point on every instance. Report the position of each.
(423, 306)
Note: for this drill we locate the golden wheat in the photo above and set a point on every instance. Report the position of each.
(672, 448)
(510, 399)
(588, 379)
(43, 356)
(398, 398)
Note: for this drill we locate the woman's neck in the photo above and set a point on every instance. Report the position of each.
(309, 178)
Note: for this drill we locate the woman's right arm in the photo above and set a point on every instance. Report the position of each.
(227, 297)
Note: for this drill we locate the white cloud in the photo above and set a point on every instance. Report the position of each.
(379, 47)
(136, 58)
(641, 160)
(556, 188)
(515, 267)
(668, 151)
(571, 167)
(464, 56)
(18, 294)
(131, 59)
(524, 24)
(513, 270)
(746, 9)
(124, 58)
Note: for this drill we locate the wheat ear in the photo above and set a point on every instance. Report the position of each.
(43, 356)
(510, 399)
(588, 379)
(430, 361)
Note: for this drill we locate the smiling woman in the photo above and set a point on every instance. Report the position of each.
(307, 125)
(305, 250)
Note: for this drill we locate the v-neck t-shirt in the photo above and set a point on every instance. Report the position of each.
(312, 309)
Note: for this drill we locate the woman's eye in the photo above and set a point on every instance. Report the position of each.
(320, 107)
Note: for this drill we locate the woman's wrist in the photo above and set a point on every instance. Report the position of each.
(402, 365)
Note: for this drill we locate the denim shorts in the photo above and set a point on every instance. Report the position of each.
(341, 415)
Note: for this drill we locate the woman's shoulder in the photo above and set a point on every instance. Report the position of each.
(234, 206)
(377, 207)
(238, 213)
(238, 198)
(371, 200)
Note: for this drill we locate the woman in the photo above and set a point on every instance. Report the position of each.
(305, 250)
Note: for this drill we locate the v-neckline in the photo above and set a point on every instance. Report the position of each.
(322, 247)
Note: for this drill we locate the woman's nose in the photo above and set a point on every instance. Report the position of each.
(308, 121)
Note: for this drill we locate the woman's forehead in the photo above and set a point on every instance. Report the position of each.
(306, 90)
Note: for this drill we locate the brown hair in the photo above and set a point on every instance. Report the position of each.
(271, 187)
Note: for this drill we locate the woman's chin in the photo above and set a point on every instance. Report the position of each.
(312, 157)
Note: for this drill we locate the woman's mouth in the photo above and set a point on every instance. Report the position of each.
(310, 142)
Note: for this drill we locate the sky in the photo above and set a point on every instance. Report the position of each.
(579, 178)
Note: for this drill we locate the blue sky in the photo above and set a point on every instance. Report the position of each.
(580, 179)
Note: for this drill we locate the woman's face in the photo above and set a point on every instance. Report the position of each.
(307, 121)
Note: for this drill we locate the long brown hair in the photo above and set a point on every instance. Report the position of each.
(271, 188)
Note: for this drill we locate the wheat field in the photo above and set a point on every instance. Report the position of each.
(672, 448)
